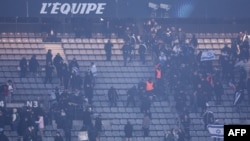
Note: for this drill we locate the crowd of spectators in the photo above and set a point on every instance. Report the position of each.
(179, 72)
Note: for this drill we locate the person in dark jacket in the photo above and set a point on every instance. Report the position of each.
(58, 137)
(108, 49)
(125, 51)
(113, 96)
(48, 73)
(49, 56)
(29, 134)
(58, 61)
(142, 51)
(98, 123)
(33, 65)
(128, 130)
(218, 90)
(169, 136)
(131, 95)
(23, 67)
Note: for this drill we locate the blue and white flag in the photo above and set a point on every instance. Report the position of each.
(208, 55)
(216, 131)
(237, 97)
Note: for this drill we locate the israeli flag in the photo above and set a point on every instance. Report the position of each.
(237, 97)
(208, 55)
(216, 131)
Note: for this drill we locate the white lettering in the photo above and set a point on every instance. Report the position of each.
(43, 11)
(65, 8)
(100, 8)
(35, 104)
(84, 5)
(237, 131)
(243, 131)
(55, 8)
(29, 104)
(91, 7)
(75, 9)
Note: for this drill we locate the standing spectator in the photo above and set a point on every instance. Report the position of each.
(58, 136)
(48, 73)
(88, 89)
(142, 51)
(58, 61)
(193, 41)
(145, 125)
(208, 118)
(23, 67)
(93, 70)
(11, 88)
(113, 96)
(162, 59)
(219, 91)
(108, 49)
(49, 56)
(40, 123)
(15, 120)
(29, 134)
(185, 120)
(169, 136)
(98, 123)
(33, 65)
(73, 64)
(128, 130)
(131, 95)
(125, 51)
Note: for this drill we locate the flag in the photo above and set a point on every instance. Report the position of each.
(237, 97)
(208, 55)
(216, 131)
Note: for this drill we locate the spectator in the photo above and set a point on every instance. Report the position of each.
(15, 120)
(33, 65)
(73, 64)
(108, 49)
(24, 124)
(169, 136)
(23, 67)
(11, 88)
(29, 134)
(145, 125)
(162, 59)
(131, 95)
(193, 42)
(58, 137)
(142, 51)
(98, 123)
(219, 91)
(145, 104)
(93, 70)
(48, 73)
(112, 96)
(128, 130)
(185, 120)
(125, 50)
(49, 56)
(208, 118)
(58, 61)
(40, 123)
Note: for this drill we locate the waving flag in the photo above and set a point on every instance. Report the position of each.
(208, 55)
(216, 131)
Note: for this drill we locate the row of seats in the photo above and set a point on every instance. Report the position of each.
(22, 45)
(91, 40)
(21, 40)
(22, 51)
(89, 46)
(213, 41)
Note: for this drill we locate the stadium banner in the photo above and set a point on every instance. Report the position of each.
(216, 131)
(208, 55)
(126, 8)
